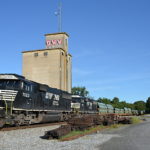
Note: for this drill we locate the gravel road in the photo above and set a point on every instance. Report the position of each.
(29, 139)
(134, 137)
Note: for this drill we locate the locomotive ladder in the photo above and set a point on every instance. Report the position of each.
(8, 106)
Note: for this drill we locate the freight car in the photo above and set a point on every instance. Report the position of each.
(27, 102)
(102, 108)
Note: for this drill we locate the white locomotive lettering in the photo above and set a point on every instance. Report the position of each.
(55, 103)
(48, 95)
(56, 97)
(52, 96)
(26, 95)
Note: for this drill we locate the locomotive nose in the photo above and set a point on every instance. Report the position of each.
(8, 95)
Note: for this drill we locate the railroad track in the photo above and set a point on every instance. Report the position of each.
(31, 126)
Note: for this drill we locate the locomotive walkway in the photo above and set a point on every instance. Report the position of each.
(134, 137)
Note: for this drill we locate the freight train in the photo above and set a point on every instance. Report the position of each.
(24, 102)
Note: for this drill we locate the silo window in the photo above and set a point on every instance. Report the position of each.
(66, 42)
(45, 53)
(35, 54)
(62, 53)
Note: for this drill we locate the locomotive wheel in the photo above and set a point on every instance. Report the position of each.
(20, 120)
(65, 116)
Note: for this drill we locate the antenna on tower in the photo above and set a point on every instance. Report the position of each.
(58, 13)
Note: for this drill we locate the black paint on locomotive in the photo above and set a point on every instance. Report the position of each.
(32, 98)
(35, 96)
(87, 105)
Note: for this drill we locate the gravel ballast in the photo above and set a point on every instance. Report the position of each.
(29, 139)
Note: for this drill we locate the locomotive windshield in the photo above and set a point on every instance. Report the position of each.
(9, 84)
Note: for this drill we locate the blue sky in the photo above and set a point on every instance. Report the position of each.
(109, 41)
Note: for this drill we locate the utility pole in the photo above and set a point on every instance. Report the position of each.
(58, 13)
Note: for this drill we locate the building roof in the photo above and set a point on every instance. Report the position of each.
(57, 33)
(42, 50)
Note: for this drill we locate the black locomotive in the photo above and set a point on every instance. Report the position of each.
(27, 102)
(84, 105)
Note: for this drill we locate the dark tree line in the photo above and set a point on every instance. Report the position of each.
(148, 105)
(138, 105)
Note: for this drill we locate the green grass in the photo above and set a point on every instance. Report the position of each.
(73, 133)
(115, 126)
(76, 133)
(135, 120)
(93, 129)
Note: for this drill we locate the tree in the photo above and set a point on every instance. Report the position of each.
(81, 91)
(104, 100)
(129, 105)
(148, 105)
(115, 100)
(140, 105)
(123, 104)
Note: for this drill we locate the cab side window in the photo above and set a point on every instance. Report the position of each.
(27, 87)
